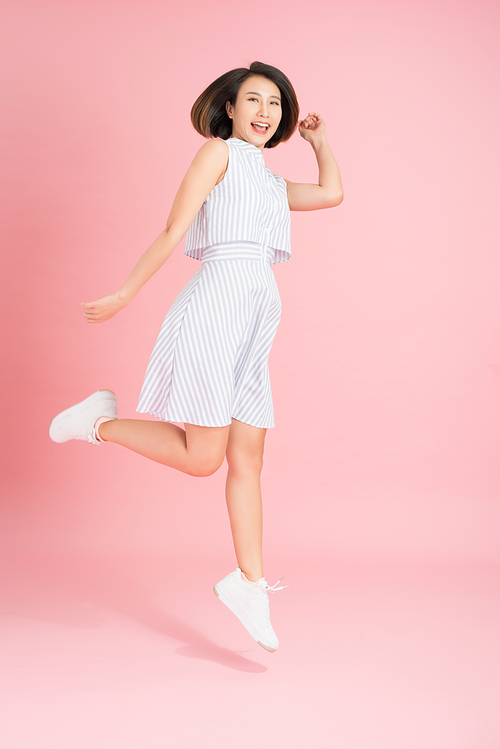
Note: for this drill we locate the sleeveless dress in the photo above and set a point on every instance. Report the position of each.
(210, 361)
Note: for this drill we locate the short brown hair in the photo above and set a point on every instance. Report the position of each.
(209, 116)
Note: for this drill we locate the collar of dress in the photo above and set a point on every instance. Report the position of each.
(247, 146)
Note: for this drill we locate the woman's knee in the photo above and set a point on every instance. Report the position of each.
(206, 465)
(245, 462)
(206, 449)
(245, 449)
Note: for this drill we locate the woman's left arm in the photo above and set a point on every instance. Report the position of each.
(328, 192)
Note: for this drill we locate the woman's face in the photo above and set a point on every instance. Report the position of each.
(257, 111)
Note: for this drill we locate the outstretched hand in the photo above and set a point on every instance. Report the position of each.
(102, 309)
(312, 127)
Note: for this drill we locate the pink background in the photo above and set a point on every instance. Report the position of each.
(381, 480)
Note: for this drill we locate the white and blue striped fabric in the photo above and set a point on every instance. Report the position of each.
(249, 204)
(210, 361)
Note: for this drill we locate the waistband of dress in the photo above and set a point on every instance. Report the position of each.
(238, 251)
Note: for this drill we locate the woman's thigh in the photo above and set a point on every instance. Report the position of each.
(245, 446)
(208, 444)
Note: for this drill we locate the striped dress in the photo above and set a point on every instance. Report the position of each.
(210, 361)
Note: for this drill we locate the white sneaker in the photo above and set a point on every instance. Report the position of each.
(77, 422)
(250, 603)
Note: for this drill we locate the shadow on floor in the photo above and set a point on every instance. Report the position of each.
(72, 592)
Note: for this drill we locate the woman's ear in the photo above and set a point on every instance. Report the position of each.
(229, 110)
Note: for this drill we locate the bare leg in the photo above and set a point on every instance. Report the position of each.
(244, 453)
(198, 451)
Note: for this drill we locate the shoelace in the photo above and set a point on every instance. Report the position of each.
(265, 587)
(273, 588)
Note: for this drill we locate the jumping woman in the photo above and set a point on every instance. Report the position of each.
(209, 366)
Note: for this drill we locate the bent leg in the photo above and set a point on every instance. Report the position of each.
(244, 454)
(198, 451)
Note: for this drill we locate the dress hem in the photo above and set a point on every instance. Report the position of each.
(171, 420)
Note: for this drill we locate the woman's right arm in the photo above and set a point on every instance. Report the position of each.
(205, 172)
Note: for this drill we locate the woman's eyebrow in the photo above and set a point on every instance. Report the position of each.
(273, 96)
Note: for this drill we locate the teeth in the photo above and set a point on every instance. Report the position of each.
(261, 124)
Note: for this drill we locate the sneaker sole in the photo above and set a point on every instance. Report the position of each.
(227, 598)
(105, 396)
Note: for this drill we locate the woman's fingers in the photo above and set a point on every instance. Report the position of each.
(311, 126)
(100, 310)
(92, 317)
(91, 311)
(312, 119)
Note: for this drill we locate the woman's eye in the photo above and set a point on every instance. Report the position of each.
(252, 98)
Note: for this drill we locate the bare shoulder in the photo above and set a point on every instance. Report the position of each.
(204, 172)
(216, 144)
(215, 150)
(211, 160)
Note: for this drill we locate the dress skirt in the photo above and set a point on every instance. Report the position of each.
(210, 361)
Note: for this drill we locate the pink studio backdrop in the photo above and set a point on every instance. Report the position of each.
(381, 481)
(386, 365)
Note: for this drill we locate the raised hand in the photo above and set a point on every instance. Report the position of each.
(312, 127)
(102, 309)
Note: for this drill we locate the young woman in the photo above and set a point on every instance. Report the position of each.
(209, 366)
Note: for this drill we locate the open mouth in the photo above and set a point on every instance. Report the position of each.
(260, 127)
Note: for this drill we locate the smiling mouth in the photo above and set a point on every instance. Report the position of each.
(260, 127)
